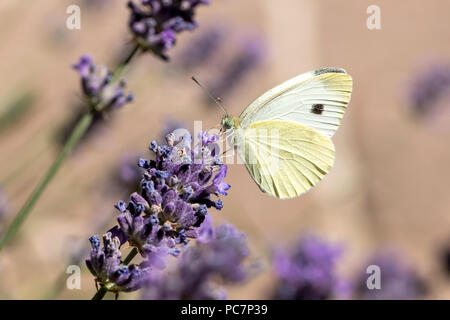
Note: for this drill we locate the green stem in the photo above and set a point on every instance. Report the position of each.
(103, 290)
(100, 293)
(119, 70)
(77, 134)
(130, 256)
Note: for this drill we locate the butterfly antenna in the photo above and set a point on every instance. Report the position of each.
(216, 100)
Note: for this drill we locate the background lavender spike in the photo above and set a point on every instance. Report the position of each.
(127, 174)
(248, 58)
(308, 271)
(101, 94)
(217, 259)
(446, 260)
(155, 23)
(202, 48)
(96, 82)
(398, 280)
(4, 208)
(428, 87)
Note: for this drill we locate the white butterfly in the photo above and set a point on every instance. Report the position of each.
(283, 137)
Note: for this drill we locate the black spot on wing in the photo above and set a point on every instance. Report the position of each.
(317, 109)
(328, 70)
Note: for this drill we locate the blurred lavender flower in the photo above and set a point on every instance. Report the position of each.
(429, 87)
(308, 271)
(155, 23)
(3, 206)
(249, 57)
(128, 172)
(105, 264)
(172, 126)
(398, 281)
(176, 192)
(446, 256)
(218, 258)
(98, 88)
(200, 49)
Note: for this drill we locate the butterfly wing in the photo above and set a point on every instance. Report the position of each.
(284, 158)
(316, 99)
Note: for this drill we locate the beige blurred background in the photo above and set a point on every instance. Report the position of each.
(388, 188)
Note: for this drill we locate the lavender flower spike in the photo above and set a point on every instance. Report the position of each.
(431, 86)
(97, 87)
(155, 23)
(105, 264)
(201, 267)
(307, 271)
(202, 48)
(176, 193)
(246, 60)
(398, 280)
(170, 209)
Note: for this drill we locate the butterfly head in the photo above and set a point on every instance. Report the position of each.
(227, 123)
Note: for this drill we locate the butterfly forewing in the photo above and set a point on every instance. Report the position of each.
(316, 99)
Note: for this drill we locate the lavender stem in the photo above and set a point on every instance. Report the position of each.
(130, 256)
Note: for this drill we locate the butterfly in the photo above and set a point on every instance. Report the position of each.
(284, 136)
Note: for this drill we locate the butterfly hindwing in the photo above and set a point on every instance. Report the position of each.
(284, 158)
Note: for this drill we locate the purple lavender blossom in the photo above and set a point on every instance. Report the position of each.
(97, 86)
(128, 172)
(247, 59)
(176, 191)
(202, 48)
(106, 265)
(155, 23)
(201, 267)
(175, 195)
(307, 271)
(427, 89)
(398, 280)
